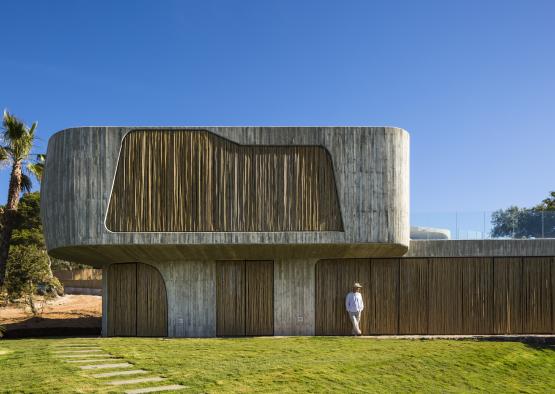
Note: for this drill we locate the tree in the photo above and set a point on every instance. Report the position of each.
(515, 222)
(17, 142)
(27, 230)
(28, 272)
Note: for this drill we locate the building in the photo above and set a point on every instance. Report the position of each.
(217, 231)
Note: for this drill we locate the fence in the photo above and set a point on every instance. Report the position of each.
(81, 281)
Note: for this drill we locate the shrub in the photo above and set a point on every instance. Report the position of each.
(28, 273)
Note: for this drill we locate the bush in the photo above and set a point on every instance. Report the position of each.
(28, 273)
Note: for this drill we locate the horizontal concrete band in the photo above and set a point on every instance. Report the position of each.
(482, 248)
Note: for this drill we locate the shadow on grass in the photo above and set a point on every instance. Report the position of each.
(45, 327)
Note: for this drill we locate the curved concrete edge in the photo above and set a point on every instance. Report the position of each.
(100, 255)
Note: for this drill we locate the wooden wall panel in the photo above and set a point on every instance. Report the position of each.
(230, 298)
(122, 300)
(445, 301)
(186, 180)
(259, 283)
(334, 279)
(384, 293)
(536, 295)
(152, 304)
(413, 293)
(477, 295)
(507, 294)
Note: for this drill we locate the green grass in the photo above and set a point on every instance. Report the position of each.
(302, 364)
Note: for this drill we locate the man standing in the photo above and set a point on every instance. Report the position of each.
(354, 305)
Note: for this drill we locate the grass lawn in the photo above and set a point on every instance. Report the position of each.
(302, 364)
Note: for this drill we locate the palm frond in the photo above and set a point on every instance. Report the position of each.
(17, 136)
(26, 183)
(13, 127)
(4, 154)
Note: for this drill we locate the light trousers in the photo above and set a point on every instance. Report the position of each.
(355, 320)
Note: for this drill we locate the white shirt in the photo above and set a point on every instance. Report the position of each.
(353, 302)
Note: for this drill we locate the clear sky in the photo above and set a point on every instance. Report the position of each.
(472, 81)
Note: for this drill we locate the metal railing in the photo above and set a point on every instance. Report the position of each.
(511, 223)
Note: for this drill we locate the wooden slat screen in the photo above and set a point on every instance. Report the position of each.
(507, 295)
(334, 279)
(122, 300)
(475, 295)
(384, 294)
(445, 301)
(152, 305)
(413, 303)
(137, 301)
(193, 180)
(536, 295)
(259, 284)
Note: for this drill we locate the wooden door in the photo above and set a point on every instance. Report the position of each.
(259, 297)
(152, 305)
(230, 298)
(122, 300)
(137, 302)
(244, 298)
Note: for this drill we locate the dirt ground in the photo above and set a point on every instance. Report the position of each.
(66, 307)
(58, 315)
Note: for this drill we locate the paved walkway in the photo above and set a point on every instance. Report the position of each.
(106, 367)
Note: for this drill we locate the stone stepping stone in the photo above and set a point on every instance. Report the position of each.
(119, 373)
(90, 360)
(105, 366)
(135, 381)
(156, 389)
(85, 355)
(67, 353)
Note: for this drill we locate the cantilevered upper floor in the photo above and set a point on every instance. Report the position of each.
(113, 194)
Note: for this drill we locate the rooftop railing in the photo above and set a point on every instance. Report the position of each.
(511, 223)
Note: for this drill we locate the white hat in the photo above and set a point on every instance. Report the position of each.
(357, 285)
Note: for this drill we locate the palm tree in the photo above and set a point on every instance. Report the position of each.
(17, 142)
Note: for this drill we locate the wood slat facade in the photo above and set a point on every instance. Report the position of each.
(137, 301)
(191, 181)
(466, 295)
(244, 298)
(413, 296)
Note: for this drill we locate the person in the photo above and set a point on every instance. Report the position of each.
(354, 305)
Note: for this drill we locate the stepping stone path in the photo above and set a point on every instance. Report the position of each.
(96, 359)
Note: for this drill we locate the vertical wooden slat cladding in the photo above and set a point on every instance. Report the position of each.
(445, 302)
(152, 305)
(244, 298)
(507, 294)
(230, 298)
(137, 302)
(466, 295)
(122, 300)
(536, 295)
(259, 298)
(477, 295)
(413, 293)
(334, 279)
(193, 180)
(384, 293)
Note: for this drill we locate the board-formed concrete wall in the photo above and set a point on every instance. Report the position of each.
(370, 166)
(479, 248)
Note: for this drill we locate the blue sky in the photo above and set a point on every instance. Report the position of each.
(472, 81)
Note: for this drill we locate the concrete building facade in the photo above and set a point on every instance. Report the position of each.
(226, 231)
